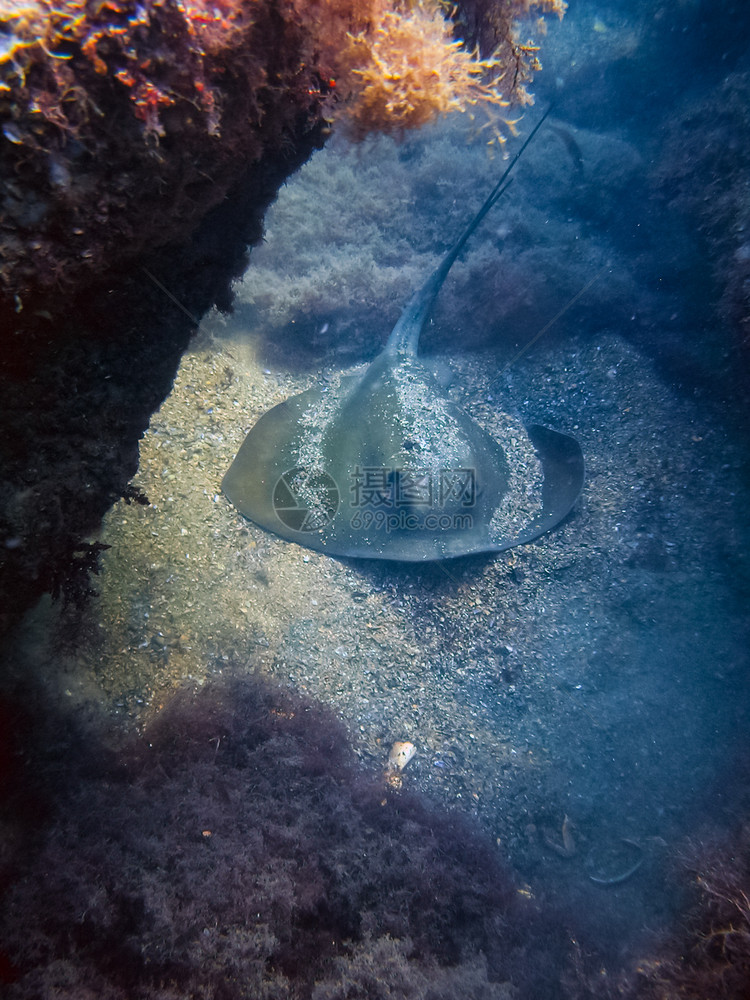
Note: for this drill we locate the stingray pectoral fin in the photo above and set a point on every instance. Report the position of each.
(255, 480)
(563, 469)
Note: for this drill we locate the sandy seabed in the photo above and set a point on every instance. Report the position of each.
(555, 680)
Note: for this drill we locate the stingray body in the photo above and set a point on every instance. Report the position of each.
(385, 466)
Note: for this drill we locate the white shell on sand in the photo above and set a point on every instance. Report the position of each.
(401, 753)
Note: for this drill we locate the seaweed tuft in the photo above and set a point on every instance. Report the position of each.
(236, 849)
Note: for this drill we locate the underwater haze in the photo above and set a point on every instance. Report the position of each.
(210, 805)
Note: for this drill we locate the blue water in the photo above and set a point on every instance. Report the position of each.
(582, 703)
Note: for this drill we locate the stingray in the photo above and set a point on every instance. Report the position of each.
(384, 465)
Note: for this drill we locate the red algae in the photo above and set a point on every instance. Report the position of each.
(125, 121)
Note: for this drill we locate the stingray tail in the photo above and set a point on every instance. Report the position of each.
(404, 338)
